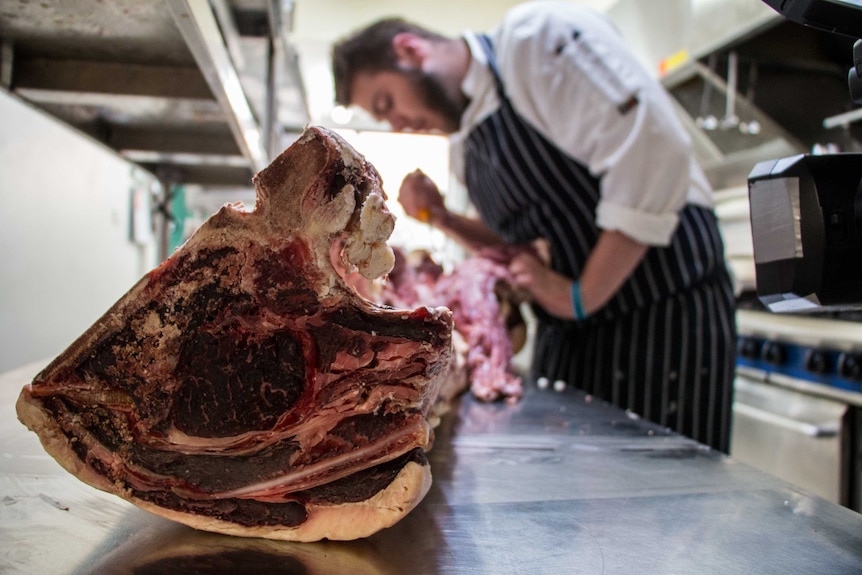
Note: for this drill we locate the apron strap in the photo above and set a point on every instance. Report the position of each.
(488, 47)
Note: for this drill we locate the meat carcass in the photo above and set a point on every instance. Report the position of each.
(484, 303)
(242, 387)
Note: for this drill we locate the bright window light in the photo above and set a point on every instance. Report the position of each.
(395, 155)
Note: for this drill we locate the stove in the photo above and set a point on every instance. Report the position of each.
(823, 350)
(798, 399)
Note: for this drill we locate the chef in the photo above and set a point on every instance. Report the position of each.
(563, 140)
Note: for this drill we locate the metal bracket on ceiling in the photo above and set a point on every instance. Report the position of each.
(200, 29)
(284, 61)
(281, 24)
(730, 120)
(842, 120)
(7, 56)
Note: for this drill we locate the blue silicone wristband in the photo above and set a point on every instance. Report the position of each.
(577, 302)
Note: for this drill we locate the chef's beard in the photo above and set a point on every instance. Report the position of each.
(436, 97)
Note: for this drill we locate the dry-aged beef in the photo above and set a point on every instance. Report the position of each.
(242, 387)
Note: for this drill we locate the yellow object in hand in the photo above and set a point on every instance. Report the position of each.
(424, 215)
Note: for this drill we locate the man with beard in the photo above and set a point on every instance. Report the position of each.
(562, 137)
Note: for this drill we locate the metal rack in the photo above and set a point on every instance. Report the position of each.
(195, 91)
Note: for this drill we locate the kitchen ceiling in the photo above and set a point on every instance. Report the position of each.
(208, 91)
(181, 87)
(196, 91)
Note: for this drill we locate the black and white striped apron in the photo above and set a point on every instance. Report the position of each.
(664, 345)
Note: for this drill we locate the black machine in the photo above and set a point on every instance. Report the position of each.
(838, 16)
(806, 219)
(806, 210)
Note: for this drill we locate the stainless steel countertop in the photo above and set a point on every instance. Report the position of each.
(554, 484)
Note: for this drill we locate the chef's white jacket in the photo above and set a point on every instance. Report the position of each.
(568, 72)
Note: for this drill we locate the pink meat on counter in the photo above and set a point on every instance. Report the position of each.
(479, 293)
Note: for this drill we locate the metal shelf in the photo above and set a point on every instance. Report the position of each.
(195, 91)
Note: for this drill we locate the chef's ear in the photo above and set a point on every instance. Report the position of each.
(410, 49)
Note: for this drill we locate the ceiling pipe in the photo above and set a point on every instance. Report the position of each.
(199, 27)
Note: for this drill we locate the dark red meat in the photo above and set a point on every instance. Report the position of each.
(242, 384)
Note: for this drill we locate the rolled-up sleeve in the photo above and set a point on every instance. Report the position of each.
(585, 91)
(645, 180)
(645, 227)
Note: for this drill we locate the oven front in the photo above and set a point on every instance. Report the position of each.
(798, 396)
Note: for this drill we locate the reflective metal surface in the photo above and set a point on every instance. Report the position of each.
(773, 425)
(554, 484)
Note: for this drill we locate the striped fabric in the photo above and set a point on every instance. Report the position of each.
(664, 346)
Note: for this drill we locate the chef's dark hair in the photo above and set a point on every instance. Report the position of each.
(370, 50)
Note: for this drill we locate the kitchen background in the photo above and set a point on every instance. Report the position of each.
(124, 124)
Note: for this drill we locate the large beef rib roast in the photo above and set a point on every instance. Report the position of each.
(242, 386)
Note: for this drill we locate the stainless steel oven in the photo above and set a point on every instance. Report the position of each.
(798, 398)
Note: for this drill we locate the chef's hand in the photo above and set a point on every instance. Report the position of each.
(420, 197)
(547, 288)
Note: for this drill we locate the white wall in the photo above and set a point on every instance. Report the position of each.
(65, 211)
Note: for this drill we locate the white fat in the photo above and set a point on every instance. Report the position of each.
(349, 157)
(304, 478)
(367, 249)
(375, 220)
(332, 217)
(306, 137)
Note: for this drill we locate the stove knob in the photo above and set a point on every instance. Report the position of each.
(749, 348)
(850, 366)
(818, 361)
(773, 353)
